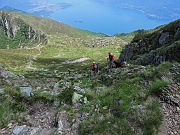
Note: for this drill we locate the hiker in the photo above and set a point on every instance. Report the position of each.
(94, 67)
(111, 59)
(97, 67)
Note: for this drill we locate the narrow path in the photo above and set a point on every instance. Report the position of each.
(171, 110)
(29, 64)
(74, 61)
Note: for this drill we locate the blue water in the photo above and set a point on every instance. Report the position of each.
(95, 17)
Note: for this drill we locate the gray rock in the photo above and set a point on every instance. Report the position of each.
(60, 125)
(163, 38)
(77, 88)
(77, 98)
(20, 130)
(26, 91)
(177, 35)
(56, 86)
(35, 131)
(126, 54)
(173, 45)
(1, 91)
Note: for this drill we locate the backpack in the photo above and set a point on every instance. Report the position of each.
(97, 65)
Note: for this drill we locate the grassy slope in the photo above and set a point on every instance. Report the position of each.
(65, 43)
(117, 105)
(57, 53)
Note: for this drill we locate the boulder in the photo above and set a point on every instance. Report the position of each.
(26, 91)
(20, 130)
(163, 38)
(77, 98)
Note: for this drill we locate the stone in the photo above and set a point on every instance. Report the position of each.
(76, 98)
(163, 38)
(26, 91)
(105, 107)
(10, 125)
(20, 130)
(77, 88)
(56, 86)
(35, 131)
(85, 100)
(177, 35)
(1, 91)
(60, 125)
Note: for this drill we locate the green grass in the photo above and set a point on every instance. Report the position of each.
(51, 55)
(158, 85)
(13, 105)
(121, 100)
(10, 105)
(117, 102)
(64, 43)
(152, 119)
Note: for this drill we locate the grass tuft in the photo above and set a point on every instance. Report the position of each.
(158, 85)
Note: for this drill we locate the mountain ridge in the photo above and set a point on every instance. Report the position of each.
(24, 25)
(160, 45)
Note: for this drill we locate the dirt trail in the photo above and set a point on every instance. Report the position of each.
(31, 60)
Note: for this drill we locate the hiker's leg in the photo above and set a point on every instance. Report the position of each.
(109, 64)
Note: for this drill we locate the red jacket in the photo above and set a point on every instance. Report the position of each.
(94, 66)
(111, 57)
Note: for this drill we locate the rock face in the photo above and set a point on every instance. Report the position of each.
(15, 28)
(153, 48)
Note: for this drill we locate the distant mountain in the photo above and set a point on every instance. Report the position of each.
(154, 47)
(13, 9)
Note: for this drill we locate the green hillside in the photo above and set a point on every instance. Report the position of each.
(47, 85)
(44, 41)
(19, 30)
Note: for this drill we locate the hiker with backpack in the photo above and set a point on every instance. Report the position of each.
(95, 67)
(111, 59)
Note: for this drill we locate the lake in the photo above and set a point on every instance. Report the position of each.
(91, 15)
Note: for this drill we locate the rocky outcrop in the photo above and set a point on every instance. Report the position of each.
(9, 78)
(154, 48)
(15, 28)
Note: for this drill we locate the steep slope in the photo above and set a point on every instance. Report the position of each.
(15, 33)
(18, 30)
(163, 44)
(121, 101)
